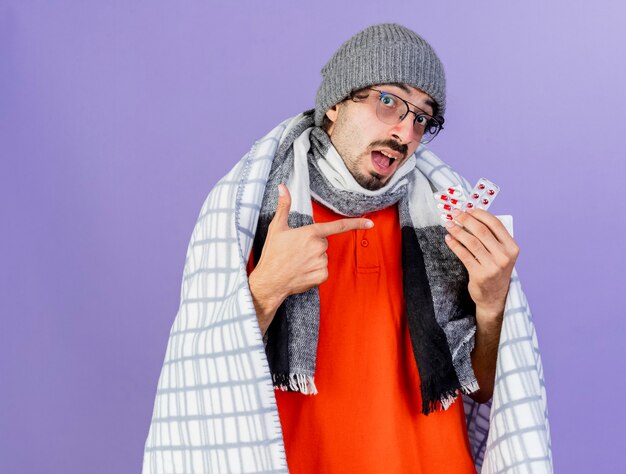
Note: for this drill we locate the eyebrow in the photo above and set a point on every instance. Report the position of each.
(406, 89)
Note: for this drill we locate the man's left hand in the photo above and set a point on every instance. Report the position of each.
(489, 253)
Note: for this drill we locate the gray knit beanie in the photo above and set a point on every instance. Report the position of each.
(381, 54)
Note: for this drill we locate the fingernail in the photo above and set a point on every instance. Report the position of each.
(455, 212)
(449, 225)
(369, 224)
(281, 190)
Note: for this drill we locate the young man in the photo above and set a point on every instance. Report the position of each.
(374, 316)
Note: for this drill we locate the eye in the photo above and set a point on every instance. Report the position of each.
(388, 101)
(422, 120)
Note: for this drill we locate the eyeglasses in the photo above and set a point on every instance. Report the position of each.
(391, 109)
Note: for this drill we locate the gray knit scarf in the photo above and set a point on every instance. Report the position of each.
(438, 308)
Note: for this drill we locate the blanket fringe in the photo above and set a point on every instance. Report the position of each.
(295, 383)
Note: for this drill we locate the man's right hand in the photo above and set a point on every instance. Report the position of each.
(293, 260)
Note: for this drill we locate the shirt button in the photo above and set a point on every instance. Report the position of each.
(364, 243)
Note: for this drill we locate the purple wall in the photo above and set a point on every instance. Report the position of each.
(113, 128)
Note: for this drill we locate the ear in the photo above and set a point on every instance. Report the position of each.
(332, 114)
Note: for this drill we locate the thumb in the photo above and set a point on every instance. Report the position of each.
(282, 208)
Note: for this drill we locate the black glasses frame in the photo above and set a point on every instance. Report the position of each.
(431, 121)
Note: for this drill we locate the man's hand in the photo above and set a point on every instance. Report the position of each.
(489, 253)
(293, 260)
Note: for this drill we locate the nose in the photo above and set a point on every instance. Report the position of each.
(404, 131)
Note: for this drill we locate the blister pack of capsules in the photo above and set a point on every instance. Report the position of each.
(481, 197)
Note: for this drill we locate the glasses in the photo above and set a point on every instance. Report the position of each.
(391, 109)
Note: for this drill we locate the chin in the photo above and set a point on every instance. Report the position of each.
(372, 182)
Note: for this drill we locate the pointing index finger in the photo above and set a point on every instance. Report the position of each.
(325, 229)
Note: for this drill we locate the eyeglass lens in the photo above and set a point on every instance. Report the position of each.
(391, 109)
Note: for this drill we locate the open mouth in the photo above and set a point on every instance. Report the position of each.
(383, 161)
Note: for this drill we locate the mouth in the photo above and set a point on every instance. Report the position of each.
(385, 161)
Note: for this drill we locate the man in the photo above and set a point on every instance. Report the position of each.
(374, 317)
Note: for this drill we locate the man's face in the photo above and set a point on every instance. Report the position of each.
(373, 150)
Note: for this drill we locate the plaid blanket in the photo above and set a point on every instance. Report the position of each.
(215, 409)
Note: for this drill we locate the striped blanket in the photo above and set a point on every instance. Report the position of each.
(215, 409)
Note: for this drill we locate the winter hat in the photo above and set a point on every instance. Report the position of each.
(381, 54)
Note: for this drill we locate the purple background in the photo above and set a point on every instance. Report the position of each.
(117, 117)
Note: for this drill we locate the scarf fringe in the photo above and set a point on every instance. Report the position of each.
(470, 387)
(295, 383)
(449, 399)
